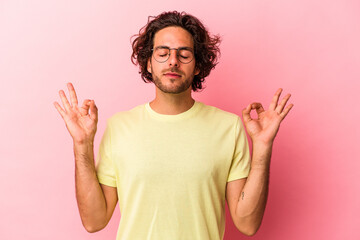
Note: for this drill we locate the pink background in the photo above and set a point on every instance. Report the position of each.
(309, 48)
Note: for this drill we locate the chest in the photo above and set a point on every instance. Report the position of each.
(162, 152)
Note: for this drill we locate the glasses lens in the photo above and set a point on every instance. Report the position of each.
(161, 54)
(185, 55)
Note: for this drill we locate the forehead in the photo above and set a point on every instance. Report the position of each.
(173, 37)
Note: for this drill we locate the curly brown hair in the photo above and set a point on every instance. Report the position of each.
(206, 49)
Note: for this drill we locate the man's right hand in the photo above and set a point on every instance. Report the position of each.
(81, 122)
(96, 202)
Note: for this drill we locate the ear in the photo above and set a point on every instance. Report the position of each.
(149, 65)
(197, 71)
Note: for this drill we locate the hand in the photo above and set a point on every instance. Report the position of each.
(80, 123)
(265, 127)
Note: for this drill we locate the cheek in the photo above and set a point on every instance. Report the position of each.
(194, 69)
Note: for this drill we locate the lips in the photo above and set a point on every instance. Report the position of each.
(172, 74)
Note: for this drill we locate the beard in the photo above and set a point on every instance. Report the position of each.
(176, 86)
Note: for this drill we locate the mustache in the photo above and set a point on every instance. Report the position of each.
(173, 70)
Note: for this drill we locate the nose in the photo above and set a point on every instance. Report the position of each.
(173, 58)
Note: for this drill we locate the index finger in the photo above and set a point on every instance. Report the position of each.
(246, 113)
(275, 99)
(73, 97)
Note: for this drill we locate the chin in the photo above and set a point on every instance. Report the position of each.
(172, 86)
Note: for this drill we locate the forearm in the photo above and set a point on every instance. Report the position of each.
(90, 198)
(251, 204)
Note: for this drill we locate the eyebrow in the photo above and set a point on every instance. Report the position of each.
(163, 46)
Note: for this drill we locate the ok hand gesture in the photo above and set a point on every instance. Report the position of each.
(265, 127)
(80, 122)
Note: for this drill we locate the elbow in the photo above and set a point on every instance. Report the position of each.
(248, 231)
(249, 228)
(92, 228)
(93, 224)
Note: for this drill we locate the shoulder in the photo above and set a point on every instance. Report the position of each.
(127, 115)
(219, 114)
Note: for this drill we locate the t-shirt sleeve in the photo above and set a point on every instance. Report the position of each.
(240, 165)
(104, 165)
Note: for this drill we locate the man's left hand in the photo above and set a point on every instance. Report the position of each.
(265, 127)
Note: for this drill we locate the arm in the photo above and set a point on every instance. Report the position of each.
(247, 197)
(96, 202)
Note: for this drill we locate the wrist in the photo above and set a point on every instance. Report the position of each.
(261, 154)
(82, 149)
(257, 143)
(83, 142)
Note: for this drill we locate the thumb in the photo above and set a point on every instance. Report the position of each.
(93, 111)
(85, 107)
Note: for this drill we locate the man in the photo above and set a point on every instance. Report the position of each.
(171, 163)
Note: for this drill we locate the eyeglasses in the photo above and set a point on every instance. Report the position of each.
(162, 54)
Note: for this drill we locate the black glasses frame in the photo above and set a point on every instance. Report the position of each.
(177, 53)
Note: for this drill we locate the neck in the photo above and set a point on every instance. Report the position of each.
(172, 104)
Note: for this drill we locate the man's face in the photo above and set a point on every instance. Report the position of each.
(172, 76)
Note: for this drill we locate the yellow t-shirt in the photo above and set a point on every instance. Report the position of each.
(171, 171)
